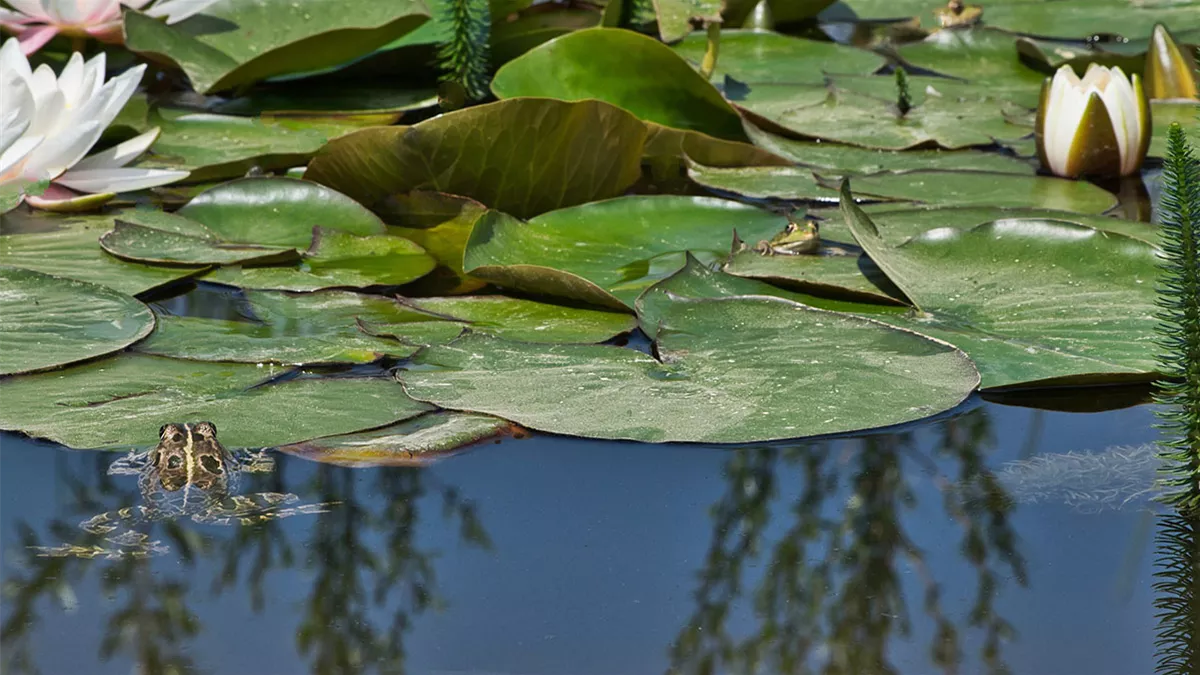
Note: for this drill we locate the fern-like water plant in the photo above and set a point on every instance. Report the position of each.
(1179, 323)
(463, 55)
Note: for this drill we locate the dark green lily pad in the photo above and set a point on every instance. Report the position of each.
(529, 321)
(327, 104)
(1162, 115)
(1049, 55)
(140, 243)
(278, 212)
(122, 401)
(675, 16)
(628, 70)
(942, 188)
(762, 57)
(845, 116)
(895, 226)
(527, 156)
(1033, 302)
(512, 39)
(337, 259)
(419, 441)
(838, 271)
(731, 372)
(983, 57)
(47, 321)
(69, 247)
(606, 253)
(216, 147)
(236, 43)
(837, 159)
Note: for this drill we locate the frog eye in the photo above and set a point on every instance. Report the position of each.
(177, 437)
(205, 428)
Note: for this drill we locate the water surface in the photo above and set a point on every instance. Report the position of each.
(916, 551)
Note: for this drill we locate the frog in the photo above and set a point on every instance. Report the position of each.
(795, 239)
(956, 13)
(188, 474)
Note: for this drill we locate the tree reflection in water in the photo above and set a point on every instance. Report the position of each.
(830, 599)
(363, 556)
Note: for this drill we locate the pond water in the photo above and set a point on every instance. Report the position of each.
(970, 543)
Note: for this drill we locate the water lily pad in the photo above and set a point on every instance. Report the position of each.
(675, 16)
(984, 57)
(838, 271)
(204, 339)
(337, 259)
(69, 247)
(48, 321)
(441, 224)
(837, 159)
(1162, 115)
(762, 57)
(238, 43)
(513, 38)
(895, 226)
(1034, 302)
(731, 372)
(527, 156)
(140, 243)
(943, 188)
(1049, 55)
(845, 116)
(608, 252)
(419, 441)
(122, 401)
(278, 212)
(627, 69)
(328, 103)
(527, 320)
(216, 147)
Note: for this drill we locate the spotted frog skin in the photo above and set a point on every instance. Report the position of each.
(188, 474)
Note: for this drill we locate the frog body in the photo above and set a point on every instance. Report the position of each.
(796, 239)
(188, 474)
(956, 13)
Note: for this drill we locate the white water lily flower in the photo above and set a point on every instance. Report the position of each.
(1095, 126)
(36, 22)
(48, 124)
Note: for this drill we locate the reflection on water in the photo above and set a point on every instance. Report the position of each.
(910, 552)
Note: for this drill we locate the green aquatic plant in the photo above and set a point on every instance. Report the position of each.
(1179, 322)
(463, 56)
(903, 97)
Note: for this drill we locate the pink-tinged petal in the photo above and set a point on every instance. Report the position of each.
(34, 38)
(14, 157)
(101, 10)
(31, 8)
(14, 21)
(119, 155)
(61, 200)
(123, 179)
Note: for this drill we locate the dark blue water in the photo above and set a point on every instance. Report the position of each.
(908, 552)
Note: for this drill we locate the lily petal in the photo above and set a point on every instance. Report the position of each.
(1094, 149)
(125, 179)
(35, 37)
(119, 155)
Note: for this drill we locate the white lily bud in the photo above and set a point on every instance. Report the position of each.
(1095, 126)
(1170, 71)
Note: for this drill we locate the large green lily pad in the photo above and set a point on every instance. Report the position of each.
(627, 69)
(337, 259)
(837, 271)
(896, 225)
(278, 212)
(521, 156)
(523, 320)
(941, 188)
(608, 252)
(235, 43)
(1162, 115)
(48, 321)
(419, 441)
(731, 372)
(441, 224)
(141, 243)
(69, 247)
(843, 115)
(216, 147)
(763, 57)
(514, 37)
(837, 159)
(984, 57)
(1034, 302)
(122, 401)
